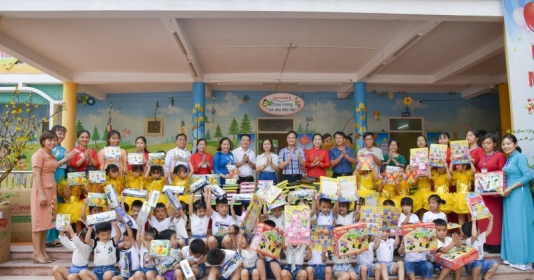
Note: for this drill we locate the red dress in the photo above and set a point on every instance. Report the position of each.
(317, 171)
(196, 159)
(80, 154)
(494, 162)
(476, 154)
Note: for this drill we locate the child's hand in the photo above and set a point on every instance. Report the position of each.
(490, 217)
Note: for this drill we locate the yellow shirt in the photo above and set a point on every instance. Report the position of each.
(118, 184)
(441, 182)
(463, 181)
(424, 184)
(366, 181)
(404, 188)
(134, 183)
(155, 185)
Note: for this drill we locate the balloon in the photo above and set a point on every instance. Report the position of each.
(519, 19)
(528, 13)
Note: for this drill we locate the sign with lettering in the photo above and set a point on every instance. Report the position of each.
(281, 104)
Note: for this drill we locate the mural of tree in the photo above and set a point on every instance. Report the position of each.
(208, 135)
(300, 129)
(245, 126)
(79, 126)
(234, 128)
(105, 134)
(218, 133)
(95, 136)
(199, 121)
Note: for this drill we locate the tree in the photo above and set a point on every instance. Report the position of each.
(218, 133)
(208, 135)
(20, 121)
(300, 129)
(105, 134)
(79, 126)
(95, 136)
(245, 125)
(234, 128)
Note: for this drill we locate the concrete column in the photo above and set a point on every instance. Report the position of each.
(360, 113)
(504, 107)
(68, 118)
(199, 111)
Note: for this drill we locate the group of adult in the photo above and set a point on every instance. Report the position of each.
(293, 162)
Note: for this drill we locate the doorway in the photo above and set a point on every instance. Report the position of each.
(405, 131)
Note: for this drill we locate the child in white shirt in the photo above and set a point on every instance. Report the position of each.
(317, 268)
(416, 263)
(132, 254)
(445, 244)
(105, 251)
(199, 218)
(195, 255)
(294, 258)
(179, 225)
(216, 258)
(434, 201)
(80, 253)
(365, 267)
(277, 215)
(253, 266)
(322, 207)
(384, 255)
(147, 263)
(341, 211)
(476, 240)
(407, 217)
(159, 220)
(221, 223)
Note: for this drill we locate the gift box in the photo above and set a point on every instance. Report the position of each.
(172, 199)
(136, 158)
(321, 237)
(490, 183)
(62, 221)
(112, 152)
(96, 199)
(187, 271)
(365, 163)
(160, 248)
(134, 193)
(371, 199)
(329, 188)
(97, 176)
(267, 241)
(297, 224)
(347, 186)
(411, 176)
(174, 189)
(460, 152)
(153, 198)
(350, 240)
(76, 178)
(156, 159)
(418, 156)
(170, 261)
(372, 217)
(390, 217)
(438, 155)
(419, 237)
(144, 212)
(243, 196)
(457, 257)
(476, 205)
(111, 196)
(231, 265)
(101, 217)
(293, 196)
(279, 201)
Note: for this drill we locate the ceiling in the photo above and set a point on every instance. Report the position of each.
(108, 48)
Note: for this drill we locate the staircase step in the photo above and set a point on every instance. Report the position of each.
(23, 251)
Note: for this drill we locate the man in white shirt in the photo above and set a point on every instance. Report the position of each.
(369, 150)
(178, 155)
(245, 160)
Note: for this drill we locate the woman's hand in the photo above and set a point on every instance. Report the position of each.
(43, 200)
(507, 192)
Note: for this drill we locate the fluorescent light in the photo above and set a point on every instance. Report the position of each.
(179, 42)
(402, 126)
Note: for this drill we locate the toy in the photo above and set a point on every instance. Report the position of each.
(476, 205)
(419, 237)
(390, 217)
(350, 240)
(135, 158)
(268, 192)
(101, 217)
(160, 248)
(321, 236)
(172, 199)
(96, 199)
(490, 183)
(174, 189)
(134, 193)
(253, 213)
(419, 158)
(460, 152)
(156, 159)
(457, 257)
(297, 224)
(329, 188)
(231, 265)
(111, 196)
(267, 240)
(348, 186)
(97, 176)
(438, 155)
(372, 217)
(365, 163)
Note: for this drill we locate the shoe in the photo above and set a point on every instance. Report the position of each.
(41, 262)
(522, 267)
(506, 262)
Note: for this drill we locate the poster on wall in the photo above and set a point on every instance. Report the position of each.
(281, 104)
(381, 141)
(432, 137)
(305, 141)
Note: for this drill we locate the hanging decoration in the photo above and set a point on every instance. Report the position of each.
(171, 98)
(377, 115)
(156, 110)
(213, 111)
(109, 117)
(245, 99)
(408, 101)
(91, 101)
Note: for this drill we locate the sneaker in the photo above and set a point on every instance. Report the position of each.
(522, 267)
(506, 262)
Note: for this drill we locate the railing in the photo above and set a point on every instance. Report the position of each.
(17, 180)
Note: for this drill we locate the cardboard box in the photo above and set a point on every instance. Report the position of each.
(267, 240)
(134, 193)
(476, 206)
(187, 271)
(156, 159)
(169, 261)
(160, 248)
(135, 158)
(372, 216)
(231, 265)
(153, 198)
(113, 200)
(111, 152)
(97, 176)
(350, 240)
(297, 224)
(438, 155)
(62, 221)
(76, 179)
(329, 188)
(457, 257)
(490, 183)
(347, 186)
(96, 199)
(172, 199)
(213, 179)
(174, 189)
(420, 237)
(101, 217)
(365, 163)
(321, 236)
(5, 232)
(21, 222)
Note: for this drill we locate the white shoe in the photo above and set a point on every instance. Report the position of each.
(523, 267)
(506, 262)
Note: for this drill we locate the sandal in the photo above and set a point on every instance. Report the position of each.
(41, 262)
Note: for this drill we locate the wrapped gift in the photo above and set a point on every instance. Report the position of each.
(365, 163)
(136, 158)
(174, 189)
(112, 152)
(490, 182)
(451, 226)
(160, 248)
(111, 196)
(347, 186)
(76, 178)
(254, 211)
(293, 196)
(62, 221)
(212, 179)
(457, 257)
(268, 193)
(460, 152)
(390, 217)
(187, 271)
(350, 240)
(232, 171)
(156, 159)
(392, 174)
(438, 155)
(267, 240)
(329, 188)
(231, 265)
(476, 205)
(153, 198)
(125, 218)
(101, 217)
(297, 224)
(124, 262)
(198, 184)
(321, 237)
(96, 199)
(134, 193)
(97, 176)
(419, 237)
(372, 217)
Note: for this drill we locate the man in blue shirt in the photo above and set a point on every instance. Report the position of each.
(341, 157)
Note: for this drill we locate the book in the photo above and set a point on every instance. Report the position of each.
(160, 248)
(111, 152)
(111, 196)
(268, 193)
(174, 189)
(96, 199)
(390, 217)
(101, 217)
(460, 152)
(321, 237)
(232, 171)
(419, 237)
(212, 179)
(76, 178)
(476, 205)
(372, 199)
(372, 217)
(231, 265)
(457, 257)
(392, 174)
(62, 221)
(365, 163)
(297, 224)
(438, 155)
(490, 182)
(293, 196)
(134, 193)
(136, 158)
(156, 159)
(97, 176)
(350, 240)
(329, 188)
(348, 186)
(267, 240)
(254, 211)
(419, 158)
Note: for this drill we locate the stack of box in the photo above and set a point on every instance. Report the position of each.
(231, 190)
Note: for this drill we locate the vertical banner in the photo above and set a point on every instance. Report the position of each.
(519, 44)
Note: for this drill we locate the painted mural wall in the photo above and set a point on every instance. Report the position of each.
(232, 113)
